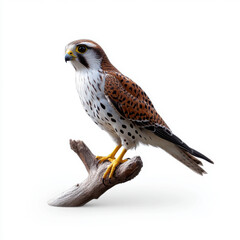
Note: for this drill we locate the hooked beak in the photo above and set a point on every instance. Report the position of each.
(69, 56)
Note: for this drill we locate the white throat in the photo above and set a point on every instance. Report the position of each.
(88, 80)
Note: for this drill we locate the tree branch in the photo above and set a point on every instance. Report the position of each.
(94, 186)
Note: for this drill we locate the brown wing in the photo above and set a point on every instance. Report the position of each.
(132, 88)
(131, 101)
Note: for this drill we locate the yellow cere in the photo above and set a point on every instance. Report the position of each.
(70, 53)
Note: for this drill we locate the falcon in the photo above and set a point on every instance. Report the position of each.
(121, 108)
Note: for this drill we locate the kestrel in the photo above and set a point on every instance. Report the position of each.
(121, 108)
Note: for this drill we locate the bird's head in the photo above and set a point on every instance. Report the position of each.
(87, 55)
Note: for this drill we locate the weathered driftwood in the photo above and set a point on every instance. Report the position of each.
(94, 186)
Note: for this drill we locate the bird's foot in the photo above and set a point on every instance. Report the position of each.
(101, 159)
(110, 157)
(111, 168)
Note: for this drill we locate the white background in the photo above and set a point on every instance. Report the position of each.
(185, 55)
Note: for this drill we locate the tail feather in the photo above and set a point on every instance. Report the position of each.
(194, 159)
(187, 159)
(181, 152)
(166, 134)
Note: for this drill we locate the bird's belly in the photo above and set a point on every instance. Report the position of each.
(94, 109)
(106, 117)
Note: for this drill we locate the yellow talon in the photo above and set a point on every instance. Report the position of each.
(102, 159)
(114, 161)
(111, 168)
(110, 157)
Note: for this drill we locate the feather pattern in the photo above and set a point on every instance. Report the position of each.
(120, 107)
(136, 107)
(133, 103)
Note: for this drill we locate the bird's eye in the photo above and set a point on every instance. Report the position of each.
(81, 49)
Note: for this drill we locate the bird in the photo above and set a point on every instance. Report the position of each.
(119, 106)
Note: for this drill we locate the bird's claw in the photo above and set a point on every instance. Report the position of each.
(111, 168)
(107, 158)
(114, 161)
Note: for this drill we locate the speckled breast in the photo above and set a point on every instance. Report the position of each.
(90, 87)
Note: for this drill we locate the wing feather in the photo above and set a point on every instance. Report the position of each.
(133, 104)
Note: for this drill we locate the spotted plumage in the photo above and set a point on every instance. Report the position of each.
(131, 101)
(121, 108)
